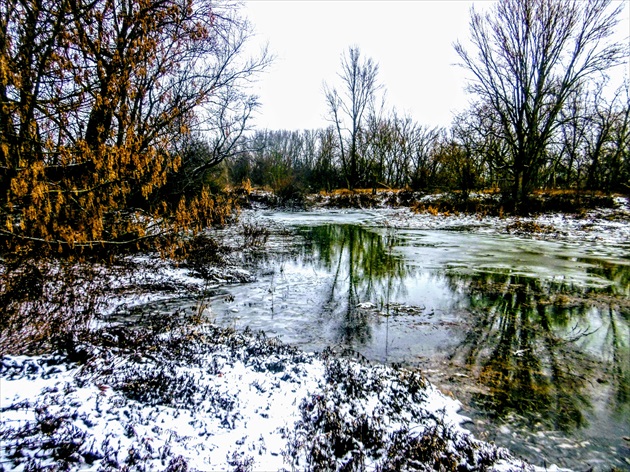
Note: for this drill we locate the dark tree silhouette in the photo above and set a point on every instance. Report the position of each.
(347, 108)
(529, 57)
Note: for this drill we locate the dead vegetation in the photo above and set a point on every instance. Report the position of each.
(44, 303)
(359, 416)
(483, 203)
(529, 227)
(338, 432)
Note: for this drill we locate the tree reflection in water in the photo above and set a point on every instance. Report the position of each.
(528, 345)
(364, 270)
(538, 347)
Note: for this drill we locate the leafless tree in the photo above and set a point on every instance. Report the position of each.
(593, 141)
(531, 56)
(347, 108)
(568, 164)
(478, 131)
(606, 137)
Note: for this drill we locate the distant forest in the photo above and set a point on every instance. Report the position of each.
(543, 117)
(589, 150)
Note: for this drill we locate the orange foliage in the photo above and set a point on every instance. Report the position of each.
(94, 100)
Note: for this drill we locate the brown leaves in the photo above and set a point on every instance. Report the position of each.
(95, 101)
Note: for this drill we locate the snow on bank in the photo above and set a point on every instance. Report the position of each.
(148, 279)
(602, 225)
(177, 399)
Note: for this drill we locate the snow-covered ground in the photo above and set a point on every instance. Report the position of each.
(200, 398)
(610, 226)
(607, 225)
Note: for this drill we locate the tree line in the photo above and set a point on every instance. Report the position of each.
(542, 117)
(589, 150)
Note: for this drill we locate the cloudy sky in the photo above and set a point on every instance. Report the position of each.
(412, 41)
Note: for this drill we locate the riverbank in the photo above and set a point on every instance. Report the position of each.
(171, 391)
(178, 394)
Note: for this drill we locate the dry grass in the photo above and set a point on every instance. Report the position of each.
(370, 191)
(529, 227)
(572, 192)
(45, 304)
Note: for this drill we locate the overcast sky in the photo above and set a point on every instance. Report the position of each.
(412, 41)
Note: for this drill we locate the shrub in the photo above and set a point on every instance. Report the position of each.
(254, 234)
(44, 303)
(289, 191)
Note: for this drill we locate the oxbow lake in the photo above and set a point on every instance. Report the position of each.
(531, 335)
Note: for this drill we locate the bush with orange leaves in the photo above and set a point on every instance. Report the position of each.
(98, 101)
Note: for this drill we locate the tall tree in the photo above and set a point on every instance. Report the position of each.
(604, 131)
(531, 56)
(96, 97)
(347, 108)
(478, 132)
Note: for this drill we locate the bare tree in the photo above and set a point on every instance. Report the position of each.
(347, 109)
(531, 56)
(621, 139)
(478, 131)
(568, 164)
(592, 142)
(605, 126)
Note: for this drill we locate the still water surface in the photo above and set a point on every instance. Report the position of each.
(532, 336)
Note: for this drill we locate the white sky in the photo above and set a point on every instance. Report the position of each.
(412, 41)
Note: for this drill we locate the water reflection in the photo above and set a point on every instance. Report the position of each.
(532, 332)
(364, 270)
(537, 346)
(527, 345)
(619, 275)
(620, 362)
